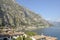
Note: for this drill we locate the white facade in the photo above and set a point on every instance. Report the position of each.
(32, 38)
(15, 37)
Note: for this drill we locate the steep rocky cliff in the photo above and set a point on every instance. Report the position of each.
(15, 15)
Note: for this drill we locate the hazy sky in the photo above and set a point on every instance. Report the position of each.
(49, 9)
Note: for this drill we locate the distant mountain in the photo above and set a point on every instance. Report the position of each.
(56, 23)
(15, 15)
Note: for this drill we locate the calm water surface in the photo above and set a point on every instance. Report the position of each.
(51, 31)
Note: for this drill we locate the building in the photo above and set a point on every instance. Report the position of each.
(8, 34)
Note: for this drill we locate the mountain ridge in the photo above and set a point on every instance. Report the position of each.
(14, 15)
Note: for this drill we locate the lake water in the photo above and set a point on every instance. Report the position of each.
(51, 31)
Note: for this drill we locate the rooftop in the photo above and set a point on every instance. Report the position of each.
(44, 37)
(9, 31)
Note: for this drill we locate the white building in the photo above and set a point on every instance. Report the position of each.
(9, 35)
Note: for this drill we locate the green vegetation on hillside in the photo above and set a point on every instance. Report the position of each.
(30, 33)
(22, 38)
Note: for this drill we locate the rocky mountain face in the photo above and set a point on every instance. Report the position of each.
(14, 15)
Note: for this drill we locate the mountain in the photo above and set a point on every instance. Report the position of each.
(56, 23)
(14, 15)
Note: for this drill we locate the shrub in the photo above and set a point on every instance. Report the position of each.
(30, 33)
(23, 38)
(19, 38)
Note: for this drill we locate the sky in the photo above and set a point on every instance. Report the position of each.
(48, 9)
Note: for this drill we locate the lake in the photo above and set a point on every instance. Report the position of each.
(51, 31)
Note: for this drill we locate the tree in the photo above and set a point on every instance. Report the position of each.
(19, 38)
